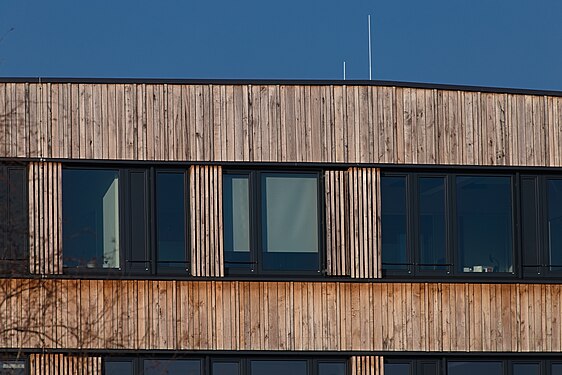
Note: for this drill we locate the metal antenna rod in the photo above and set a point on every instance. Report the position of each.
(370, 58)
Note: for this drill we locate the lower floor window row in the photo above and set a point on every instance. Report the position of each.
(224, 366)
(465, 366)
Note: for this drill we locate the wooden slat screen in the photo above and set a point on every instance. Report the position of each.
(61, 364)
(364, 222)
(279, 123)
(353, 222)
(296, 316)
(367, 365)
(337, 223)
(206, 221)
(45, 218)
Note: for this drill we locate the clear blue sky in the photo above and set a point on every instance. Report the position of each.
(502, 43)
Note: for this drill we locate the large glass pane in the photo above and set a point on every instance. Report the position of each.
(278, 367)
(331, 368)
(13, 220)
(12, 367)
(226, 368)
(555, 224)
(484, 224)
(432, 223)
(556, 368)
(170, 221)
(116, 367)
(529, 224)
(290, 225)
(397, 369)
(139, 258)
(90, 212)
(172, 367)
(393, 222)
(236, 212)
(527, 369)
(471, 368)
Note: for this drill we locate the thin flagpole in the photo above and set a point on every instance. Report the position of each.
(370, 58)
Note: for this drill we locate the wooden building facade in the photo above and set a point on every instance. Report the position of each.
(357, 306)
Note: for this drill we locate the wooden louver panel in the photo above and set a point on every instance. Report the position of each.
(353, 222)
(206, 221)
(364, 222)
(337, 243)
(60, 364)
(367, 365)
(45, 218)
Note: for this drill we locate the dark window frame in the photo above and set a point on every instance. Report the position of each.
(256, 189)
(244, 362)
(541, 253)
(17, 358)
(413, 251)
(125, 249)
(8, 265)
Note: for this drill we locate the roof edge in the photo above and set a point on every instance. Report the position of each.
(289, 82)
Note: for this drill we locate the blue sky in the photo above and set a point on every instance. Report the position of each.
(499, 43)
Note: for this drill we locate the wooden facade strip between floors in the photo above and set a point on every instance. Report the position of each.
(294, 316)
(278, 123)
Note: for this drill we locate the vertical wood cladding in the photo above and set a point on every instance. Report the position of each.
(367, 365)
(207, 245)
(45, 218)
(353, 222)
(294, 316)
(279, 123)
(55, 364)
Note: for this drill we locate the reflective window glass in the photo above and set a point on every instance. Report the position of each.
(526, 369)
(397, 369)
(226, 368)
(484, 224)
(290, 222)
(90, 213)
(554, 224)
(171, 367)
(432, 237)
(236, 212)
(473, 367)
(13, 220)
(393, 222)
(278, 367)
(331, 368)
(12, 367)
(171, 221)
(116, 367)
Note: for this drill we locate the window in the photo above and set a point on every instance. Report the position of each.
(271, 222)
(224, 366)
(13, 219)
(125, 219)
(541, 212)
(12, 366)
(438, 224)
(470, 366)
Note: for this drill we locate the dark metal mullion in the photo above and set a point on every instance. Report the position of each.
(123, 220)
(451, 224)
(412, 223)
(187, 220)
(321, 230)
(256, 230)
(152, 221)
(516, 238)
(542, 219)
